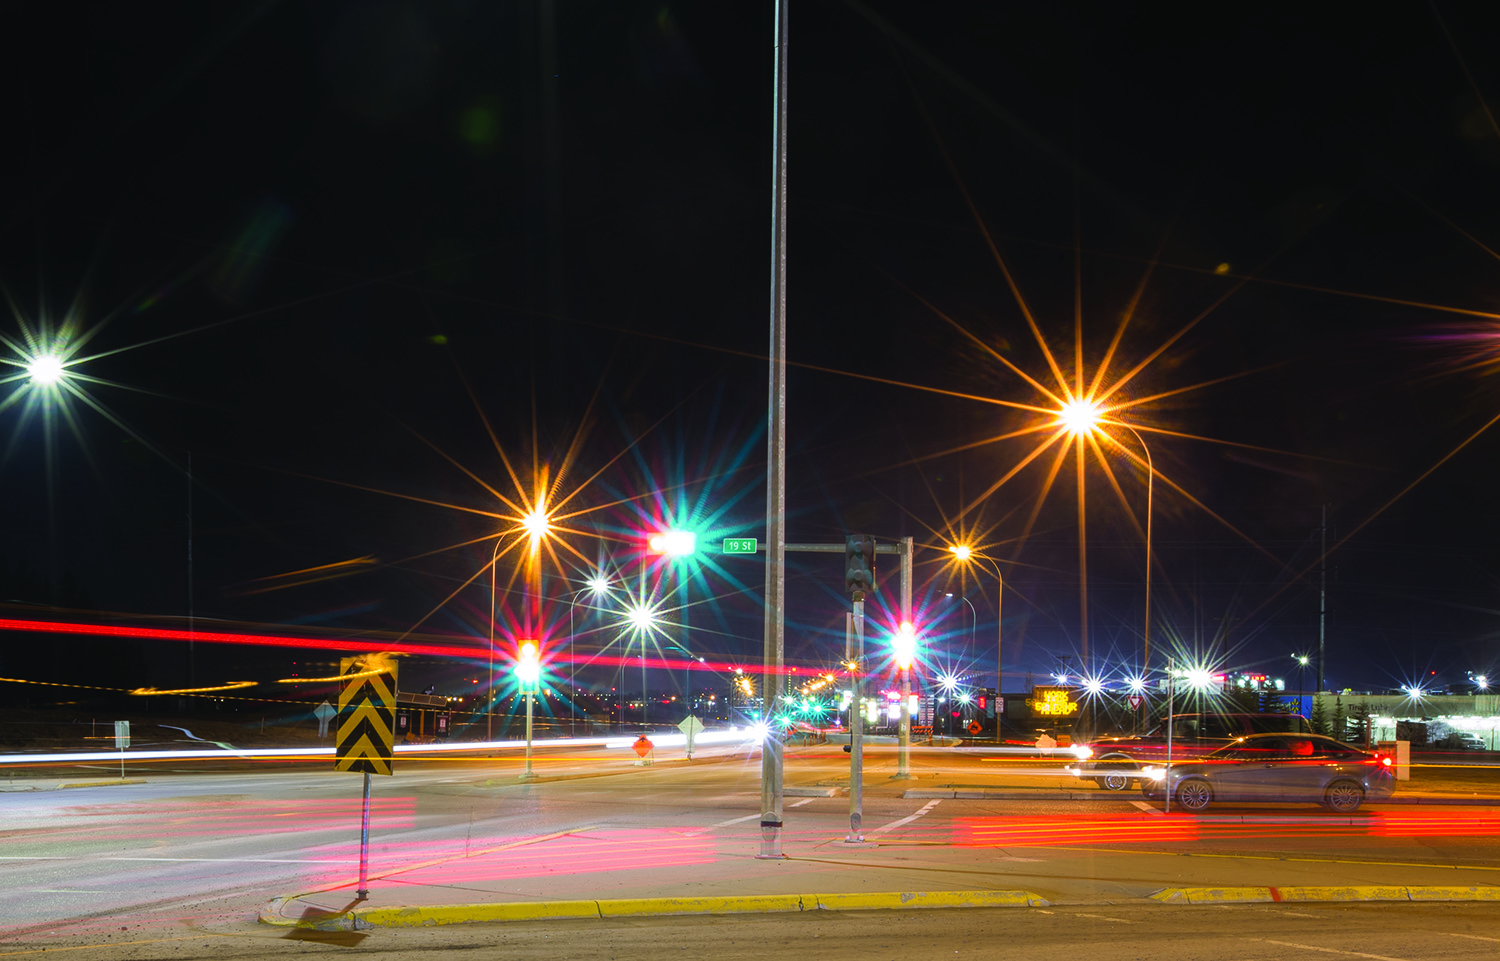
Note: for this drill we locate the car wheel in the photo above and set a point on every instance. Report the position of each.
(1344, 797)
(1116, 774)
(1194, 795)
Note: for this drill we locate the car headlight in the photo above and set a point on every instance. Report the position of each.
(1153, 773)
(1082, 751)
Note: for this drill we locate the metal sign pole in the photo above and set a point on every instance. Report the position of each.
(1167, 775)
(363, 893)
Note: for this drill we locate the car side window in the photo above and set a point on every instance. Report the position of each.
(1265, 748)
(1333, 750)
(1211, 726)
(1185, 727)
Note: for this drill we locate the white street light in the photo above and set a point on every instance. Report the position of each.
(599, 584)
(45, 370)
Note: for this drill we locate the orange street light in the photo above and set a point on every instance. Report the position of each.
(1079, 416)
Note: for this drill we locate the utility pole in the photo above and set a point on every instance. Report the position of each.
(775, 619)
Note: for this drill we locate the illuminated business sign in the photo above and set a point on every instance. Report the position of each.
(1052, 702)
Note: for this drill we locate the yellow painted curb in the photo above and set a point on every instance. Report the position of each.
(879, 901)
(474, 913)
(1361, 893)
(1212, 895)
(1454, 894)
(65, 785)
(640, 907)
(1326, 893)
(396, 917)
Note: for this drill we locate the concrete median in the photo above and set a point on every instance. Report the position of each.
(285, 912)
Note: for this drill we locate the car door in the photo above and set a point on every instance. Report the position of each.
(1237, 774)
(1296, 769)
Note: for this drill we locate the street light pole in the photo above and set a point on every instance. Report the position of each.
(973, 621)
(963, 553)
(489, 678)
(1150, 486)
(598, 585)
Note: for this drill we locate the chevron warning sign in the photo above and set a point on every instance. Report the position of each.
(366, 721)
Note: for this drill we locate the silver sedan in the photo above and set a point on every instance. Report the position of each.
(1276, 767)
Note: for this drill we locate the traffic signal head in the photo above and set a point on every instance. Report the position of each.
(859, 564)
(673, 543)
(904, 645)
(528, 666)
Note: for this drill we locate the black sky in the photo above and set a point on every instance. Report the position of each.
(331, 240)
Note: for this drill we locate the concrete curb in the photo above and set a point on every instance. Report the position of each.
(63, 786)
(361, 918)
(25, 787)
(927, 794)
(1367, 893)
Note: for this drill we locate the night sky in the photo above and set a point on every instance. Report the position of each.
(340, 257)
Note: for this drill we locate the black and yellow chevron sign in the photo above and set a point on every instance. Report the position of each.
(367, 722)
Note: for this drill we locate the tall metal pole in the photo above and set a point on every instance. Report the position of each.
(190, 566)
(1146, 630)
(1322, 593)
(854, 645)
(572, 671)
(999, 642)
(362, 893)
(775, 619)
(530, 690)
(903, 752)
(1171, 710)
(489, 678)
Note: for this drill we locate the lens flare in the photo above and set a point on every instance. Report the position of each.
(45, 370)
(1079, 416)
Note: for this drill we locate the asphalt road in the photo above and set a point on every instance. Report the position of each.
(177, 865)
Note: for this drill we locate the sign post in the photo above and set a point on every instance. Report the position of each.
(324, 712)
(122, 741)
(366, 741)
(690, 727)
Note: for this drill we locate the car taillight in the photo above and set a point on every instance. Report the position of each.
(1384, 760)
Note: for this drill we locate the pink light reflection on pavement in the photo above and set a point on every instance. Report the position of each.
(502, 858)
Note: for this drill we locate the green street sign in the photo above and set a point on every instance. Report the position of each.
(741, 545)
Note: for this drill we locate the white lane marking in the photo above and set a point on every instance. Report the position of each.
(906, 820)
(1314, 947)
(724, 824)
(798, 804)
(1100, 917)
(1148, 808)
(1476, 937)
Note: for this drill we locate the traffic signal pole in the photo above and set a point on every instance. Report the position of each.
(854, 656)
(775, 618)
(903, 752)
